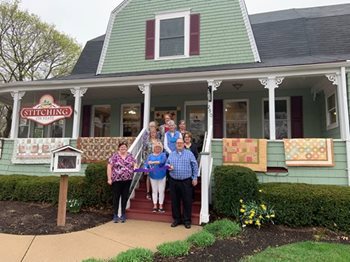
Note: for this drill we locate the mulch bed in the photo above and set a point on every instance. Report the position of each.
(40, 219)
(23, 218)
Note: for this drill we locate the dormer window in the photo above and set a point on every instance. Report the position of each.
(172, 35)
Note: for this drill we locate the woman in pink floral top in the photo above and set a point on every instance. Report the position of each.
(120, 172)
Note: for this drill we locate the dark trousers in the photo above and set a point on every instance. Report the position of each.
(120, 189)
(181, 194)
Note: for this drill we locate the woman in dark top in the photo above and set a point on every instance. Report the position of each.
(190, 145)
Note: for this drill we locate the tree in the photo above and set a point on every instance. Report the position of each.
(30, 50)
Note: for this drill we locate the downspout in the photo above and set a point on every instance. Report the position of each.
(346, 119)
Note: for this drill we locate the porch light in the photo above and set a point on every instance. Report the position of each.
(237, 86)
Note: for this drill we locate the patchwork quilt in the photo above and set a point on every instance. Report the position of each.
(309, 152)
(251, 153)
(100, 148)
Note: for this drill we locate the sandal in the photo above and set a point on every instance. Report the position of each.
(161, 210)
(154, 210)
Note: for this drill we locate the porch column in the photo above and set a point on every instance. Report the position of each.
(17, 96)
(146, 91)
(336, 80)
(271, 83)
(212, 86)
(78, 94)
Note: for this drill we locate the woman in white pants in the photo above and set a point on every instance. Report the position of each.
(156, 161)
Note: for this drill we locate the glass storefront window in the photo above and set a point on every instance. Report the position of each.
(236, 119)
(101, 121)
(131, 120)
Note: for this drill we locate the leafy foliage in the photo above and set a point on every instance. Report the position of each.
(174, 249)
(134, 255)
(223, 228)
(201, 239)
(255, 213)
(30, 49)
(304, 251)
(232, 183)
(309, 205)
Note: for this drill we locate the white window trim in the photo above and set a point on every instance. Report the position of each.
(121, 116)
(288, 115)
(165, 16)
(336, 124)
(248, 116)
(92, 129)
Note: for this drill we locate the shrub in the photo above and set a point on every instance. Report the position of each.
(37, 189)
(97, 192)
(201, 239)
(233, 183)
(134, 255)
(174, 249)
(309, 205)
(93, 260)
(255, 213)
(223, 228)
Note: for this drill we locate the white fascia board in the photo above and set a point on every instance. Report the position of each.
(249, 31)
(114, 14)
(234, 74)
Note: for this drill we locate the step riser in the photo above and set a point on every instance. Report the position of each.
(156, 217)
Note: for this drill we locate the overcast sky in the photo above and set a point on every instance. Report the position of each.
(87, 19)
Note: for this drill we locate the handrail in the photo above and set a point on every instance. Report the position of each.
(136, 150)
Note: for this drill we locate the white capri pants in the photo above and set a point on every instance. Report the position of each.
(158, 187)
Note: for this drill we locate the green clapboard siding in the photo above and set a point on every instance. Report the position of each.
(223, 35)
(7, 168)
(336, 175)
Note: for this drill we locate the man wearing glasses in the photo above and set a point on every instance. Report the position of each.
(183, 175)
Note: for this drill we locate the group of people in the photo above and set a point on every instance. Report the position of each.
(176, 162)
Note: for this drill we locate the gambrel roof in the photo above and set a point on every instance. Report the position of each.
(287, 37)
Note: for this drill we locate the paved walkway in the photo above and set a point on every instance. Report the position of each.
(104, 241)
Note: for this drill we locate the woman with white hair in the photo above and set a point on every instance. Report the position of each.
(156, 162)
(170, 137)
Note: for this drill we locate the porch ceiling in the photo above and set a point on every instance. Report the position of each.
(189, 88)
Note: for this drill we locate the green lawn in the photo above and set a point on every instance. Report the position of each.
(304, 251)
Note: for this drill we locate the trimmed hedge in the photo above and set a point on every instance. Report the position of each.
(233, 183)
(92, 189)
(309, 205)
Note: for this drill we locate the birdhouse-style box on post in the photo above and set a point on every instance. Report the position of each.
(66, 159)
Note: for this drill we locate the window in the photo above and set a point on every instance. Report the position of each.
(101, 122)
(172, 35)
(23, 130)
(131, 120)
(331, 113)
(236, 119)
(282, 117)
(55, 129)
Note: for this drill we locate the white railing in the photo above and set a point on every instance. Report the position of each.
(206, 163)
(136, 150)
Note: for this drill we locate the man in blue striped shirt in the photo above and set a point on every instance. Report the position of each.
(183, 175)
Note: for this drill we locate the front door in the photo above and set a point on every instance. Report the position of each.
(197, 121)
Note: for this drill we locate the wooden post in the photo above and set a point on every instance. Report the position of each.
(62, 201)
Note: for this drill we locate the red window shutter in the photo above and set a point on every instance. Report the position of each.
(194, 34)
(297, 116)
(218, 118)
(86, 121)
(150, 38)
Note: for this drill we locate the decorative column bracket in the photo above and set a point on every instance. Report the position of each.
(271, 83)
(333, 78)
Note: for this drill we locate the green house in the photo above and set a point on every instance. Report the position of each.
(277, 75)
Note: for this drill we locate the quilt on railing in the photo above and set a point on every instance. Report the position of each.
(309, 152)
(35, 150)
(245, 152)
(100, 148)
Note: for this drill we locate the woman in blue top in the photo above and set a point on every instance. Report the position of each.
(157, 160)
(170, 137)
